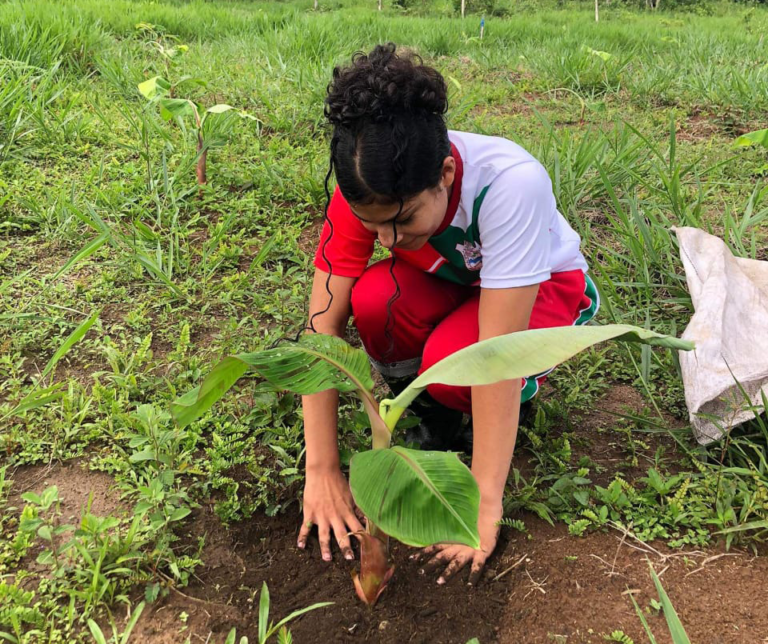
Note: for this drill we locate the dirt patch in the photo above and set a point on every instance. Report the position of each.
(549, 587)
(75, 484)
(698, 127)
(575, 590)
(238, 561)
(521, 104)
(310, 236)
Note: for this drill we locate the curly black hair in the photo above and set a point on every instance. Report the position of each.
(389, 138)
(389, 134)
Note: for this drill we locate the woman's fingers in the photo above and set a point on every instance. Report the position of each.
(343, 540)
(426, 552)
(478, 563)
(324, 532)
(440, 559)
(353, 523)
(306, 528)
(458, 562)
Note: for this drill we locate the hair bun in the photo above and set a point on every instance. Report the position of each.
(381, 85)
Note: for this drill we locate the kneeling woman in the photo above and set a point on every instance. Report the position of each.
(478, 249)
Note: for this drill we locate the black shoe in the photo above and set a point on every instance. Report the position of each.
(439, 427)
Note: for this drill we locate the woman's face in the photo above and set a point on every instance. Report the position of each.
(420, 217)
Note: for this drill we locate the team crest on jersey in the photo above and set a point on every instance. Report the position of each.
(473, 258)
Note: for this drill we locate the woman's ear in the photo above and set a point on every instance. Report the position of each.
(448, 173)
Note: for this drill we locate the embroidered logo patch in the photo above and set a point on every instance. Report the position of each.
(473, 258)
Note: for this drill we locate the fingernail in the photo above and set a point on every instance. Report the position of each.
(440, 581)
(349, 556)
(301, 544)
(326, 557)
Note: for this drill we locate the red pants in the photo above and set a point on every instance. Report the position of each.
(434, 318)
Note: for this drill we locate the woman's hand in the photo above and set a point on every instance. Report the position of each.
(454, 557)
(328, 505)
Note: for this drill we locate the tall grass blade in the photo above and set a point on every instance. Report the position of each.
(674, 624)
(73, 339)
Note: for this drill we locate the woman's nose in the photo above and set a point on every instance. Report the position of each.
(386, 237)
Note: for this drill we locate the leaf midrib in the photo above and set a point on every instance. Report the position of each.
(431, 486)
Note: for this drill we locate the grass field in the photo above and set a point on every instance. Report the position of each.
(122, 281)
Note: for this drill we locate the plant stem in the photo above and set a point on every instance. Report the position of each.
(201, 161)
(381, 431)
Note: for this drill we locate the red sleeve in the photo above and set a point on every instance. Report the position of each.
(351, 245)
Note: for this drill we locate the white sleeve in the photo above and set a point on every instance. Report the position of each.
(514, 223)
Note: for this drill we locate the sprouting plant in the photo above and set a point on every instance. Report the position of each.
(43, 523)
(160, 451)
(158, 441)
(397, 487)
(515, 524)
(117, 637)
(266, 628)
(212, 126)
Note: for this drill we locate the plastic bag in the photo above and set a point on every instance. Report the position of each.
(730, 329)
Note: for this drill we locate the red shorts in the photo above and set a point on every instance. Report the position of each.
(434, 318)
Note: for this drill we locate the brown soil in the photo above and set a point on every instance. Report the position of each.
(310, 236)
(552, 587)
(549, 587)
(75, 484)
(697, 128)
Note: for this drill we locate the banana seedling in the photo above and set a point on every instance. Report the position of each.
(418, 497)
(212, 126)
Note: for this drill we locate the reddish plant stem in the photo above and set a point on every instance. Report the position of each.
(202, 178)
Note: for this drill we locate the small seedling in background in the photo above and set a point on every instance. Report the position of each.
(266, 628)
(166, 45)
(117, 638)
(45, 525)
(212, 126)
(515, 524)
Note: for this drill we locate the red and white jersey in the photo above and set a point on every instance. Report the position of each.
(502, 228)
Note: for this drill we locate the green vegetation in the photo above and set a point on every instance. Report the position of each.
(122, 279)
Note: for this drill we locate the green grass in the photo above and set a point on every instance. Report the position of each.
(100, 215)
